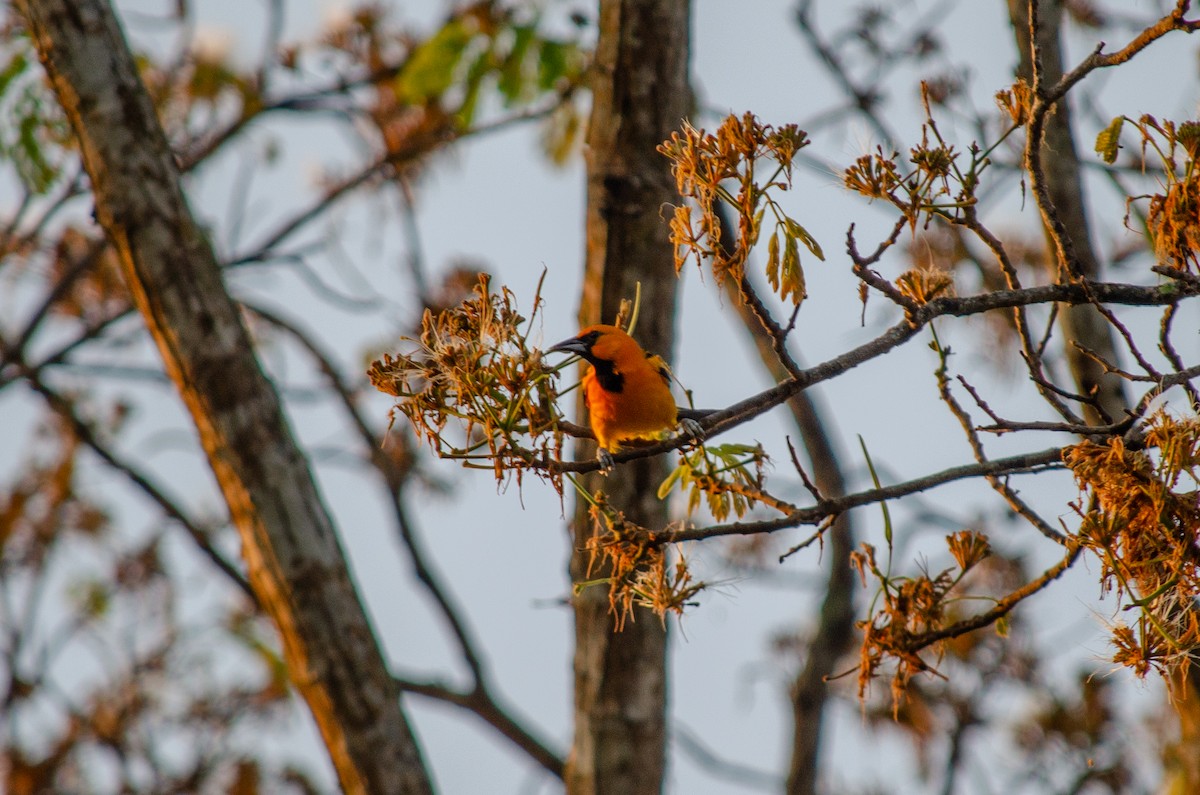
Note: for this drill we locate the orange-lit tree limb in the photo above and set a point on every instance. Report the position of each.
(1098, 59)
(294, 560)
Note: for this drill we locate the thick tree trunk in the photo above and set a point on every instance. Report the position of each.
(1084, 324)
(1081, 323)
(639, 94)
(292, 554)
(834, 633)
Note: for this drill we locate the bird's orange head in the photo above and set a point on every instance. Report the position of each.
(601, 343)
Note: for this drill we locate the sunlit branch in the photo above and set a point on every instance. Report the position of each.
(821, 511)
(1169, 23)
(739, 413)
(1002, 607)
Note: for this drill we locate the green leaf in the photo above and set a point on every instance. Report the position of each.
(35, 171)
(773, 261)
(92, 598)
(887, 516)
(512, 84)
(561, 132)
(431, 68)
(669, 483)
(799, 232)
(554, 59)
(12, 70)
(756, 227)
(1109, 140)
(1188, 134)
(474, 83)
(732, 449)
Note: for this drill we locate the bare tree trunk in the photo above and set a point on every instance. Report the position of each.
(835, 625)
(1083, 324)
(639, 95)
(292, 554)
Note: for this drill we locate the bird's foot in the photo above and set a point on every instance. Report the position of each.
(691, 429)
(606, 461)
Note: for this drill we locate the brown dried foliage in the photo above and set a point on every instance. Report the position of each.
(933, 185)
(937, 708)
(1174, 222)
(908, 608)
(1016, 101)
(82, 595)
(721, 168)
(1173, 215)
(473, 364)
(100, 292)
(636, 566)
(1142, 520)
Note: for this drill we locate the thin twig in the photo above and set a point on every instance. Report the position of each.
(199, 535)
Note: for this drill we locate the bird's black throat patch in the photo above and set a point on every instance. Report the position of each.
(610, 380)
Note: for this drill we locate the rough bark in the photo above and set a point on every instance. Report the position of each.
(1063, 177)
(835, 624)
(293, 557)
(1085, 325)
(639, 95)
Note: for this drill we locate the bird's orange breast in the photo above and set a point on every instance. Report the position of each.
(642, 408)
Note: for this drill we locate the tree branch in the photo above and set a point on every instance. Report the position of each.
(834, 506)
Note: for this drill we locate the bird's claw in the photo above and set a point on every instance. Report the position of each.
(606, 461)
(691, 429)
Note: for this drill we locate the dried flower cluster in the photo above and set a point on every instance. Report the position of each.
(640, 572)
(936, 186)
(720, 169)
(922, 285)
(1141, 518)
(473, 364)
(912, 607)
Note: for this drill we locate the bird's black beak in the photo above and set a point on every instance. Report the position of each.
(574, 345)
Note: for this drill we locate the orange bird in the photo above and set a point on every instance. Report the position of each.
(627, 391)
